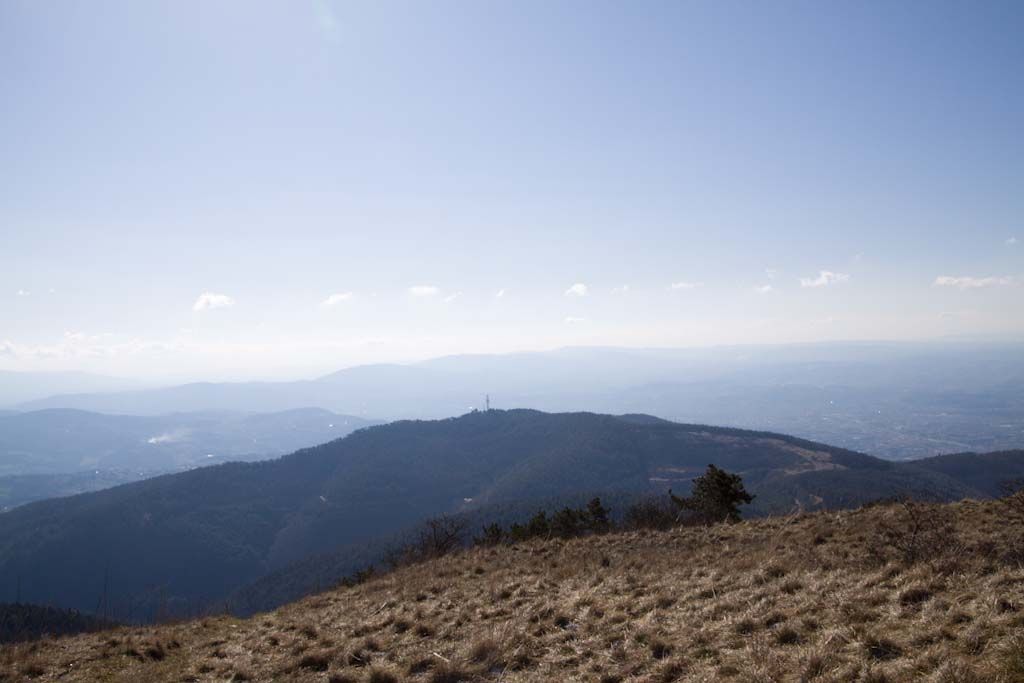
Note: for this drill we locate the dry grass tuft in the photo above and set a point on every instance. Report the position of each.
(380, 674)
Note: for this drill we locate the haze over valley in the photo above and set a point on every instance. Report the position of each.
(895, 400)
(438, 341)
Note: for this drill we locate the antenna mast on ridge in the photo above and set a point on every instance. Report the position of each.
(487, 402)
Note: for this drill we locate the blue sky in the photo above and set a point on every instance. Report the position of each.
(247, 189)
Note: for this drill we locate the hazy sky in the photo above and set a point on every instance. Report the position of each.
(249, 189)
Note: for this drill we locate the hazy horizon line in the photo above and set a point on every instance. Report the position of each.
(152, 382)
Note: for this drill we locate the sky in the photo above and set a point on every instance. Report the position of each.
(234, 190)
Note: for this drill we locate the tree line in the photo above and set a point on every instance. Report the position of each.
(715, 498)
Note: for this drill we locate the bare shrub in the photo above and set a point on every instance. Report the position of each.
(651, 513)
(1013, 499)
(916, 532)
(436, 537)
(1013, 512)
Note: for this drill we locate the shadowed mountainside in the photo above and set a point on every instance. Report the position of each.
(19, 622)
(189, 539)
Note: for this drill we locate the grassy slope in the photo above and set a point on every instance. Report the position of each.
(815, 597)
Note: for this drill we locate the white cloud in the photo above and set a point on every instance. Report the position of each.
(208, 301)
(578, 289)
(967, 282)
(620, 290)
(771, 273)
(1012, 241)
(337, 298)
(168, 437)
(452, 297)
(23, 292)
(572, 321)
(824, 279)
(82, 337)
(500, 294)
(422, 291)
(685, 285)
(764, 289)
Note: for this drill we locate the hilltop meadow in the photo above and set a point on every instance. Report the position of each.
(881, 594)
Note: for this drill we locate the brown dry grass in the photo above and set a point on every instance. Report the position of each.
(822, 598)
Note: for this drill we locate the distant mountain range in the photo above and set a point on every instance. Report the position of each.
(896, 400)
(63, 441)
(58, 452)
(194, 537)
(20, 387)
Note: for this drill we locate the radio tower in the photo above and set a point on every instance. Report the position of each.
(487, 402)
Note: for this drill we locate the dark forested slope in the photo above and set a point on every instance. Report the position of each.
(988, 473)
(190, 538)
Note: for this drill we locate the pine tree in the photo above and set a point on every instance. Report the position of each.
(598, 517)
(716, 497)
(493, 534)
(567, 523)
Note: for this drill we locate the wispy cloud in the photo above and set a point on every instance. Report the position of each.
(168, 437)
(452, 297)
(337, 298)
(578, 289)
(573, 321)
(84, 338)
(1012, 241)
(326, 21)
(764, 289)
(621, 289)
(23, 292)
(824, 279)
(968, 282)
(685, 285)
(423, 291)
(500, 294)
(770, 273)
(209, 301)
(81, 345)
